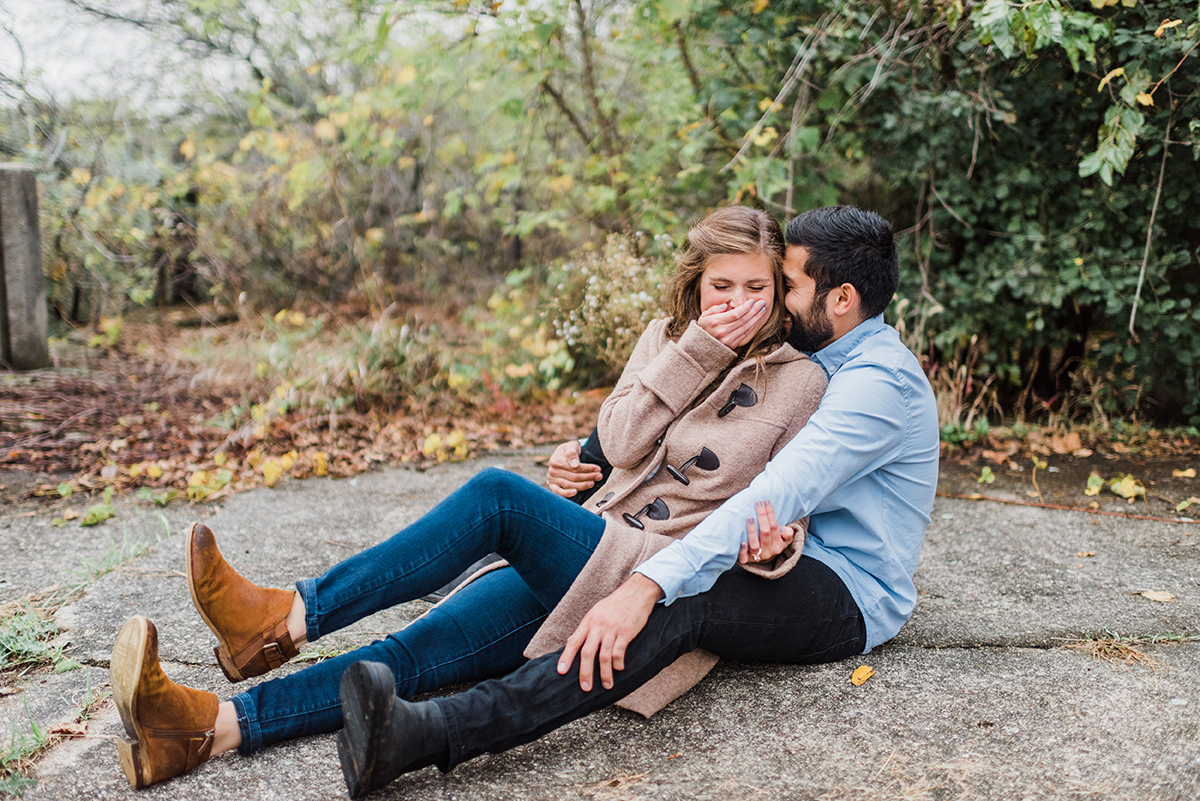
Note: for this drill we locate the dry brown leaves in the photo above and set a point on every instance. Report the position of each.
(131, 422)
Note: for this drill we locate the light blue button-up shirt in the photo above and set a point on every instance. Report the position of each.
(864, 467)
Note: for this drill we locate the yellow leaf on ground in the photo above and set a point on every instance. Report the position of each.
(1083, 554)
(320, 464)
(1127, 487)
(1189, 473)
(861, 674)
(288, 459)
(1161, 597)
(432, 443)
(1095, 482)
(1185, 504)
(271, 472)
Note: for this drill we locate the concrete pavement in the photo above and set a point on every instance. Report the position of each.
(977, 697)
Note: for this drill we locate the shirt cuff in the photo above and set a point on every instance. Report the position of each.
(668, 583)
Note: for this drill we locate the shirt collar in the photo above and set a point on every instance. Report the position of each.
(834, 355)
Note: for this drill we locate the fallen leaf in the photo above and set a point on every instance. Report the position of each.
(70, 514)
(1189, 473)
(75, 729)
(861, 674)
(1161, 597)
(1094, 483)
(986, 476)
(1065, 444)
(1082, 554)
(6, 691)
(1185, 504)
(271, 472)
(1127, 487)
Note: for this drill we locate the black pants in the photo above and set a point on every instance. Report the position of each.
(805, 617)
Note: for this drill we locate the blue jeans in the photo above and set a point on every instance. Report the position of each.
(478, 632)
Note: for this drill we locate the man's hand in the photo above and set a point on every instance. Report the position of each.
(764, 538)
(733, 327)
(608, 628)
(566, 475)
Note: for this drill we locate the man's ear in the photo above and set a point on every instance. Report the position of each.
(846, 301)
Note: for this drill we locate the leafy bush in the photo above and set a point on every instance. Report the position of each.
(602, 303)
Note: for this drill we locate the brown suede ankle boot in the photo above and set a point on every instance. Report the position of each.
(170, 727)
(250, 621)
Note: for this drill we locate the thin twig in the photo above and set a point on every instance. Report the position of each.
(804, 55)
(1162, 171)
(39, 437)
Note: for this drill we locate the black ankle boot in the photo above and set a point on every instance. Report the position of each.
(384, 736)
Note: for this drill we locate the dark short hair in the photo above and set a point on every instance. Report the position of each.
(847, 245)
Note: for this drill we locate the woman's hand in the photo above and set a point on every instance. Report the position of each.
(764, 538)
(566, 475)
(734, 327)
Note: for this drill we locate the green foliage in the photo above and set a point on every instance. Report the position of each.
(392, 150)
(24, 635)
(21, 748)
(97, 513)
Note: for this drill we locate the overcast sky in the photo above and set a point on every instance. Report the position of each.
(68, 54)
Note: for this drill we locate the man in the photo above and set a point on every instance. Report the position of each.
(864, 468)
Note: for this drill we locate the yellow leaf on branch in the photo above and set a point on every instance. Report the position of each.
(1166, 25)
(1119, 71)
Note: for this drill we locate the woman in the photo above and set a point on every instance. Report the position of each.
(709, 395)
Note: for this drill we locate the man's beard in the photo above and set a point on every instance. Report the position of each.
(811, 332)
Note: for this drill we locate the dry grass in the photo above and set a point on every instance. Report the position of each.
(1114, 650)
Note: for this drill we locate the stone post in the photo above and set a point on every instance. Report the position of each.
(23, 333)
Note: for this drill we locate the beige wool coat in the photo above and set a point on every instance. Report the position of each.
(652, 420)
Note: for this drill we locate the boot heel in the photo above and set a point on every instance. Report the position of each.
(130, 752)
(227, 665)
